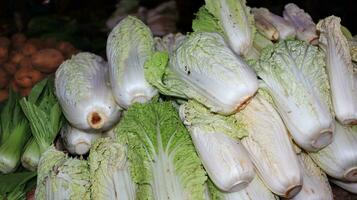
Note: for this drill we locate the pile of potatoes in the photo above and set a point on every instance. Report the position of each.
(24, 62)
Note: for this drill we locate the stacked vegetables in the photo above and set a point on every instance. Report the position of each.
(24, 62)
(245, 107)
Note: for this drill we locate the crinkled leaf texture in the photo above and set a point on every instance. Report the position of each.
(163, 160)
(294, 75)
(340, 70)
(205, 69)
(129, 45)
(109, 171)
(61, 177)
(83, 92)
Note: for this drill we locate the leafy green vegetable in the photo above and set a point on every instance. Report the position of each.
(61, 177)
(45, 117)
(206, 22)
(236, 21)
(109, 171)
(295, 77)
(129, 45)
(340, 69)
(163, 161)
(203, 68)
(214, 136)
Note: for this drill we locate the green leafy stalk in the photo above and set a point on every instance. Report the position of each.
(44, 116)
(13, 186)
(31, 156)
(163, 160)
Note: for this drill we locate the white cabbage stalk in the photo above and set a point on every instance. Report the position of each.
(224, 158)
(109, 171)
(256, 190)
(349, 186)
(294, 75)
(129, 44)
(264, 26)
(315, 183)
(270, 148)
(83, 93)
(169, 42)
(339, 159)
(204, 68)
(284, 28)
(340, 69)
(77, 141)
(305, 27)
(236, 21)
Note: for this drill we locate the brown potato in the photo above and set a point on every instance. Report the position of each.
(10, 68)
(27, 77)
(26, 62)
(4, 78)
(4, 94)
(50, 43)
(28, 49)
(3, 53)
(66, 48)
(47, 60)
(16, 57)
(39, 44)
(18, 40)
(4, 42)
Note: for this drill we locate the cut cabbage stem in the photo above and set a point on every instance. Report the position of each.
(293, 190)
(140, 98)
(96, 119)
(351, 174)
(323, 139)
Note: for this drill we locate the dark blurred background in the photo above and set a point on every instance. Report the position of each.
(82, 22)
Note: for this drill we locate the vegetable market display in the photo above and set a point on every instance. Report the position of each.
(26, 61)
(250, 105)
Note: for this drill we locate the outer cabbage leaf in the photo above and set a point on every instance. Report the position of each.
(236, 21)
(254, 191)
(340, 70)
(60, 177)
(206, 22)
(129, 45)
(83, 92)
(163, 161)
(339, 160)
(216, 139)
(109, 171)
(205, 69)
(315, 182)
(270, 147)
(295, 77)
